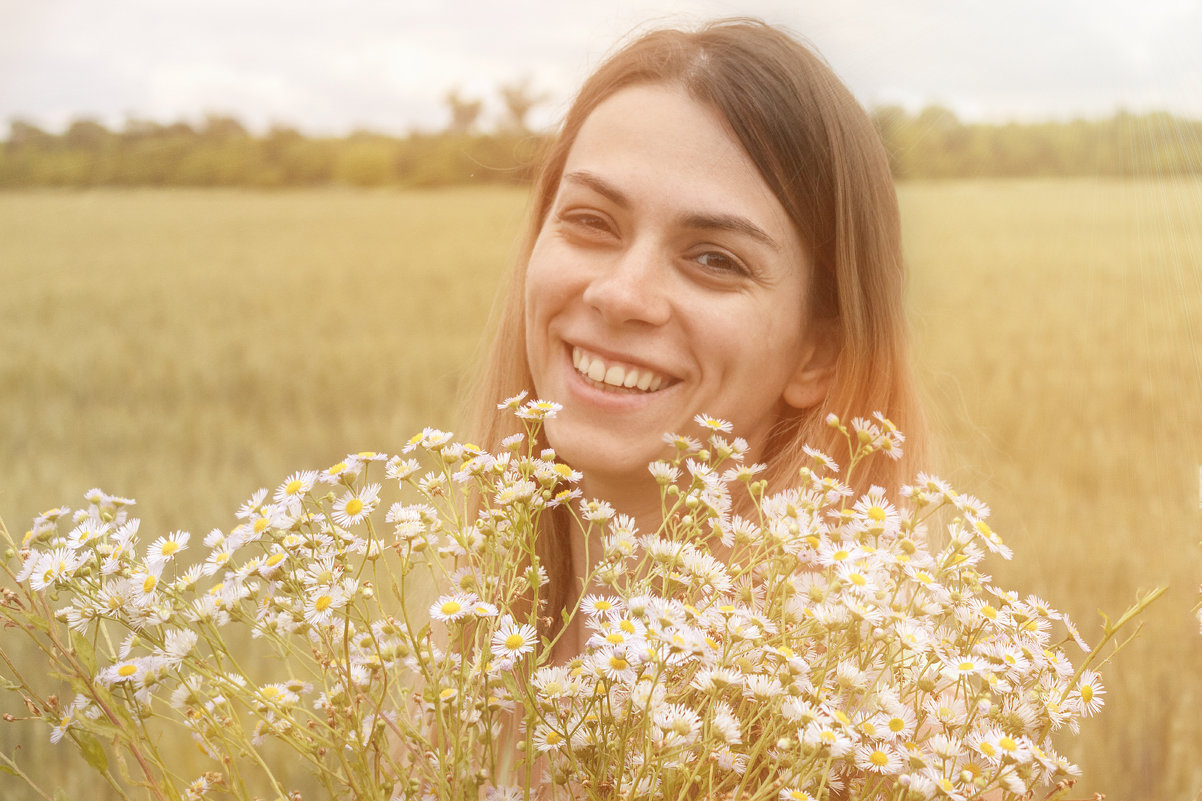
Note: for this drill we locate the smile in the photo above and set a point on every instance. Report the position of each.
(613, 375)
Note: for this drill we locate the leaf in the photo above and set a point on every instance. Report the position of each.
(10, 771)
(84, 650)
(93, 752)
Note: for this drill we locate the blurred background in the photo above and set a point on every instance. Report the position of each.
(242, 238)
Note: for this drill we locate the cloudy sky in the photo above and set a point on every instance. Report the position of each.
(332, 67)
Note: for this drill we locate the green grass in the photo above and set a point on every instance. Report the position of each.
(185, 348)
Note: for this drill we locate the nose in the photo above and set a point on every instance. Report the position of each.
(632, 288)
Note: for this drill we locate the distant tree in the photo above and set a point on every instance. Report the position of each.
(86, 134)
(137, 128)
(518, 100)
(22, 133)
(464, 112)
(218, 127)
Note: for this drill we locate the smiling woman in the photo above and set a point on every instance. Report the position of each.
(713, 231)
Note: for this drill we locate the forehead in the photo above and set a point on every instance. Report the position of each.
(658, 138)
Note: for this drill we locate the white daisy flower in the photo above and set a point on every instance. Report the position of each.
(355, 507)
(512, 640)
(454, 607)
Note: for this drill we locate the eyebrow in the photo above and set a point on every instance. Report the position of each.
(697, 220)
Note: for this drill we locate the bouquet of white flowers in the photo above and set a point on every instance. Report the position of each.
(793, 644)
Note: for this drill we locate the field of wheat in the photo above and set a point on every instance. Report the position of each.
(185, 348)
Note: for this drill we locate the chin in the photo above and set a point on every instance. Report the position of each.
(595, 451)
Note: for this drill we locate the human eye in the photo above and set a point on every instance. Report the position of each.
(586, 223)
(721, 263)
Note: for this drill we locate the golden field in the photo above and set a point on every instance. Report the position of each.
(187, 347)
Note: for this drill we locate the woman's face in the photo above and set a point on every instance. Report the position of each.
(666, 281)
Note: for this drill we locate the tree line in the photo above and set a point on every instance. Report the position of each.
(220, 151)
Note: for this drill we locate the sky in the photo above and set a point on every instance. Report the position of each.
(333, 67)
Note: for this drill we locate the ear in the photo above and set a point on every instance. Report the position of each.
(815, 372)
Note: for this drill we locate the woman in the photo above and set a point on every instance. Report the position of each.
(714, 230)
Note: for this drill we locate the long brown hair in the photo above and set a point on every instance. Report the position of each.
(819, 153)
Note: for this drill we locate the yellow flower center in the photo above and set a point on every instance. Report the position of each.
(169, 547)
(274, 559)
(261, 525)
(293, 486)
(125, 671)
(877, 515)
(323, 603)
(878, 757)
(451, 608)
(514, 642)
(354, 506)
(149, 583)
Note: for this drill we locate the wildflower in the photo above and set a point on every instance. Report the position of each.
(878, 758)
(1086, 696)
(726, 724)
(712, 423)
(128, 671)
(593, 605)
(762, 688)
(677, 724)
(596, 511)
(177, 644)
(820, 459)
(664, 473)
(295, 487)
(322, 602)
(538, 410)
(86, 533)
(518, 491)
(197, 788)
(548, 739)
(451, 608)
(513, 639)
(53, 568)
(485, 609)
(68, 717)
(823, 736)
(431, 439)
(795, 794)
(354, 507)
(512, 403)
(164, 548)
(614, 663)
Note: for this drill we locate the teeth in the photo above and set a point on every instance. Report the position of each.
(615, 375)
